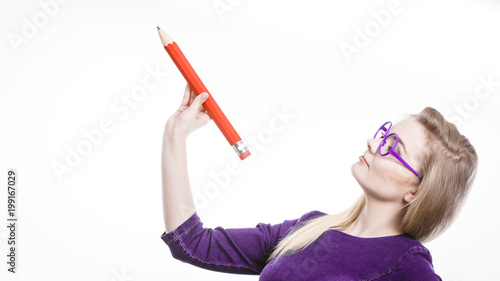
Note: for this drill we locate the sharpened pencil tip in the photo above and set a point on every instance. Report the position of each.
(158, 27)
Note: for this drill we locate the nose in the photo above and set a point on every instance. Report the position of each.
(373, 145)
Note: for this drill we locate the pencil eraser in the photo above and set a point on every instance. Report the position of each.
(245, 155)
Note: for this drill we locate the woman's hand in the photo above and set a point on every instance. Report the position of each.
(190, 116)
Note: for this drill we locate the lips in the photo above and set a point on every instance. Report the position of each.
(363, 160)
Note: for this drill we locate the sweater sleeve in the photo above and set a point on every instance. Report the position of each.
(416, 264)
(231, 250)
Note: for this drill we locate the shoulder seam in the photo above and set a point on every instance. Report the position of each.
(315, 212)
(405, 255)
(305, 219)
(380, 274)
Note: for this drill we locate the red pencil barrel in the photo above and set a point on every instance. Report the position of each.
(198, 87)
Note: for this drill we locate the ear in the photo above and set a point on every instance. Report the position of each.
(410, 196)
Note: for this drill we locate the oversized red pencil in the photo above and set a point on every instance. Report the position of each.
(198, 87)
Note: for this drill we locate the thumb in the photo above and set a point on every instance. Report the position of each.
(200, 99)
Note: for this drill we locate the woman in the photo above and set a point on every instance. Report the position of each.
(415, 175)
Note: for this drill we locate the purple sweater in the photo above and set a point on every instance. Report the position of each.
(334, 256)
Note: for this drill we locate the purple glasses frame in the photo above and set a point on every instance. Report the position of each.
(392, 151)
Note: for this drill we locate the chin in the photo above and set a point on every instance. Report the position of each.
(355, 170)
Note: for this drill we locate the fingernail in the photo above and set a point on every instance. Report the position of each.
(204, 95)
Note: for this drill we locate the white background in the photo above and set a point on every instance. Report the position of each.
(103, 219)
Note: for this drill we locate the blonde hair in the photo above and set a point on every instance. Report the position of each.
(448, 169)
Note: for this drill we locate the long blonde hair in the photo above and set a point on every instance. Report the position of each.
(448, 169)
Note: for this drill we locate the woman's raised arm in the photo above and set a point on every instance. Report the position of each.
(178, 203)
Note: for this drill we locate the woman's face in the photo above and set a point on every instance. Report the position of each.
(385, 178)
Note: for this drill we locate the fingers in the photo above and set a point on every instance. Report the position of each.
(198, 101)
(190, 98)
(201, 98)
(186, 98)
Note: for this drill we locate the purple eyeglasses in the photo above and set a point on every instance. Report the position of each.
(388, 145)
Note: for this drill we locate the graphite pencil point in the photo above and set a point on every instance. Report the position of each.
(158, 27)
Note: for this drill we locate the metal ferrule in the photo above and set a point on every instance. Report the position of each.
(240, 147)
